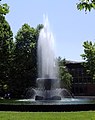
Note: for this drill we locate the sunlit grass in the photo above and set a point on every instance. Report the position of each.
(89, 115)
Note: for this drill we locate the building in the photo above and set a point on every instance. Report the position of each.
(82, 83)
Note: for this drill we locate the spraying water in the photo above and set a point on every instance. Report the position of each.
(47, 65)
(48, 83)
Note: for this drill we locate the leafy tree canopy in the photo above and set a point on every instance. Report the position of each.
(6, 45)
(87, 5)
(4, 8)
(89, 57)
(24, 70)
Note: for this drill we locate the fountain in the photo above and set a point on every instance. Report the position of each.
(48, 82)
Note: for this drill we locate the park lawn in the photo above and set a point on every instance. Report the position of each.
(87, 115)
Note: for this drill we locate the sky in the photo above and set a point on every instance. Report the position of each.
(70, 26)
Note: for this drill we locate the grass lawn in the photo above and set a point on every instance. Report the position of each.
(89, 115)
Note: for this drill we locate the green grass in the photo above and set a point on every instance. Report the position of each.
(89, 115)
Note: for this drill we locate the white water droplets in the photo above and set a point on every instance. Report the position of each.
(47, 65)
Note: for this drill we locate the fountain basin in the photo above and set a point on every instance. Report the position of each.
(66, 104)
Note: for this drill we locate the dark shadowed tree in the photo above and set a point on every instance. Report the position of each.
(24, 72)
(6, 47)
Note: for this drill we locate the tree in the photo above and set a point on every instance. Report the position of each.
(38, 29)
(6, 44)
(24, 72)
(4, 9)
(86, 5)
(65, 76)
(89, 57)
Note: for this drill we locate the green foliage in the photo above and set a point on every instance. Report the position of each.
(6, 45)
(87, 5)
(24, 64)
(89, 57)
(18, 60)
(65, 76)
(4, 9)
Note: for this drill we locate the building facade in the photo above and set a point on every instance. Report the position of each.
(82, 83)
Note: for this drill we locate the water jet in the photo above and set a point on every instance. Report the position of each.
(48, 82)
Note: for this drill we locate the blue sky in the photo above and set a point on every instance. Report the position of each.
(69, 26)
